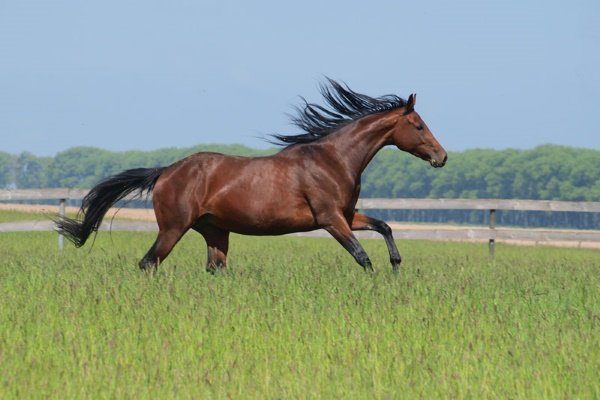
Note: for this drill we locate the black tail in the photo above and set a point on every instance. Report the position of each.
(97, 202)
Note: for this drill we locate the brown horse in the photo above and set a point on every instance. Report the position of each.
(313, 183)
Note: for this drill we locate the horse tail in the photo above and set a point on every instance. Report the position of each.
(103, 196)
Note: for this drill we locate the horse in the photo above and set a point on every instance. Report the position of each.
(312, 183)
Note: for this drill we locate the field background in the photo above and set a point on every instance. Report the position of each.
(546, 172)
(296, 318)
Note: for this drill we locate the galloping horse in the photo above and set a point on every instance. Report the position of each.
(313, 183)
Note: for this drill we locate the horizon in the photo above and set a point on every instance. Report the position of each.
(278, 148)
(487, 75)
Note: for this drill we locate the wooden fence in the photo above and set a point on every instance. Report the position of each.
(490, 233)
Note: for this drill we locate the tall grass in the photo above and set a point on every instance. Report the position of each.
(296, 318)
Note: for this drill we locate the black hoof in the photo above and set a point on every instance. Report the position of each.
(369, 268)
(147, 266)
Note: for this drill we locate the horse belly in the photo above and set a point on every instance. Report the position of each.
(261, 215)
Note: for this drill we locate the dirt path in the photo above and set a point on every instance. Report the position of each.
(139, 214)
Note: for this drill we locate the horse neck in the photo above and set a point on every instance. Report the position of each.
(357, 144)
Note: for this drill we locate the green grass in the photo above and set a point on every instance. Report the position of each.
(296, 318)
(12, 216)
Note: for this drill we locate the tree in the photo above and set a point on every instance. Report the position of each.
(32, 171)
(7, 170)
(545, 172)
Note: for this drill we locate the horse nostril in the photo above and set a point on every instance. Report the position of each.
(445, 159)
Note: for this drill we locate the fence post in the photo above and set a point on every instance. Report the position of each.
(61, 213)
(492, 242)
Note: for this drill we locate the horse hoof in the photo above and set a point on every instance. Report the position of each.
(215, 270)
(147, 267)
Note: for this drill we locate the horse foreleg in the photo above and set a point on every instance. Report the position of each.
(217, 243)
(343, 234)
(361, 222)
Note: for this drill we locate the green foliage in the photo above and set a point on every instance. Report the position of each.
(296, 318)
(85, 166)
(7, 170)
(32, 171)
(546, 172)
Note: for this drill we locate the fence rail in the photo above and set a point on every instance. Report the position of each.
(491, 233)
(479, 204)
(370, 203)
(42, 194)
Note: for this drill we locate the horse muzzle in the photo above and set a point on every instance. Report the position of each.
(436, 163)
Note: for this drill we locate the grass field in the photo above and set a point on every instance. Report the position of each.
(12, 216)
(296, 318)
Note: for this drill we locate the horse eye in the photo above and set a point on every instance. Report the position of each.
(419, 127)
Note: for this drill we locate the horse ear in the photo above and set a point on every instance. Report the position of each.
(410, 104)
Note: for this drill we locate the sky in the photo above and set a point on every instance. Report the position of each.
(148, 74)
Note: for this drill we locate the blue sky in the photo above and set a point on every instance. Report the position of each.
(149, 74)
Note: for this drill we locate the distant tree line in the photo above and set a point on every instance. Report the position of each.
(83, 167)
(546, 172)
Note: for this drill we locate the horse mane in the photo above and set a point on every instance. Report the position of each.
(343, 107)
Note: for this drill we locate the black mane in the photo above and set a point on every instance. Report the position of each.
(344, 106)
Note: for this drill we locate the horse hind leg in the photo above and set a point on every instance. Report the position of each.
(217, 243)
(164, 243)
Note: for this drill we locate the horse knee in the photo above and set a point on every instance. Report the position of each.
(384, 229)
